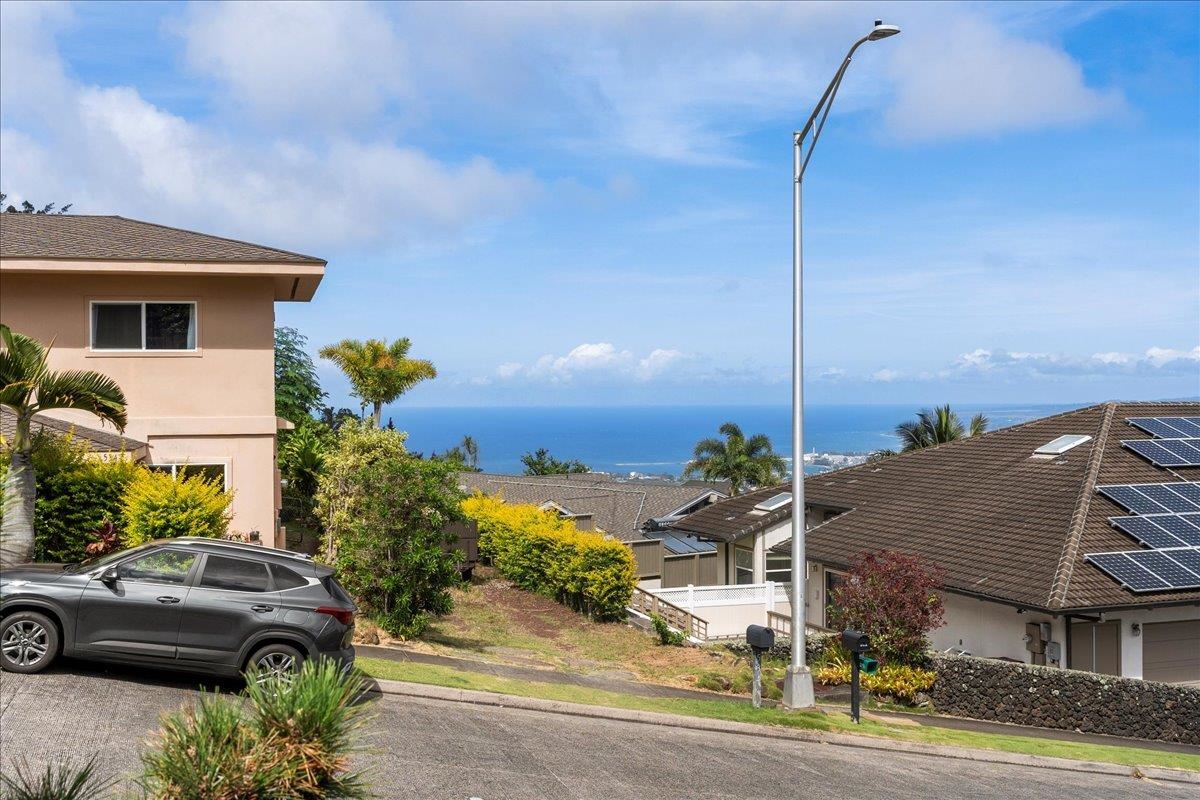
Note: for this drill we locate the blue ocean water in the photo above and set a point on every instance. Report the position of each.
(658, 440)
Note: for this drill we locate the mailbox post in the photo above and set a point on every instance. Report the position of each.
(760, 639)
(858, 644)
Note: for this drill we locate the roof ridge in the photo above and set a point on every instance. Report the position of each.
(1066, 561)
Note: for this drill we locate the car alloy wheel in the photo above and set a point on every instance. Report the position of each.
(276, 666)
(24, 643)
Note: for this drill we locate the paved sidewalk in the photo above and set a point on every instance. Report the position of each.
(654, 690)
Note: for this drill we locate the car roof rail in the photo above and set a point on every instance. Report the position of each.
(242, 546)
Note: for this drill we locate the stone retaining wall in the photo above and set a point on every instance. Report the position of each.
(1068, 699)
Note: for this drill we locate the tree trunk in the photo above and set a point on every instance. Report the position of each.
(378, 413)
(16, 529)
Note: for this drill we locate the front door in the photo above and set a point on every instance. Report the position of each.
(232, 600)
(1096, 647)
(138, 614)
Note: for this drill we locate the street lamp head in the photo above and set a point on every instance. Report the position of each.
(882, 31)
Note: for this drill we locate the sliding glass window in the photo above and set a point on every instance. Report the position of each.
(143, 326)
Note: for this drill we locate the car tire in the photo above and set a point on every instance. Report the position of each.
(275, 661)
(28, 642)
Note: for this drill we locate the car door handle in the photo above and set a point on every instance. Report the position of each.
(166, 598)
(262, 609)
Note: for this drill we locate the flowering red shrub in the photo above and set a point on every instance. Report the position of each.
(894, 598)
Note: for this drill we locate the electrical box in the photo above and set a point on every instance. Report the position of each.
(1053, 651)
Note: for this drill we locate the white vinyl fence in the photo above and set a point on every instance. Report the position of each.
(729, 609)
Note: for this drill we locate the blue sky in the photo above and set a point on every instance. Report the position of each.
(588, 204)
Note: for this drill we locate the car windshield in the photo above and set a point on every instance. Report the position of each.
(103, 561)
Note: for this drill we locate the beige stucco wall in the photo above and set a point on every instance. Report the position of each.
(216, 404)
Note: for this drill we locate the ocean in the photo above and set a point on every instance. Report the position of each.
(658, 440)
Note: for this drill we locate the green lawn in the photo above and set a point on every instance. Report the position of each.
(738, 712)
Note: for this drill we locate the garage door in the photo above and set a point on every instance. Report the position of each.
(1171, 651)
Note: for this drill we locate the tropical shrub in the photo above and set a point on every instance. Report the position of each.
(893, 597)
(78, 497)
(541, 553)
(339, 492)
(898, 681)
(289, 740)
(666, 634)
(61, 781)
(158, 506)
(393, 555)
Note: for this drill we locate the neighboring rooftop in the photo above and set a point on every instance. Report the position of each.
(98, 441)
(76, 237)
(1004, 523)
(619, 508)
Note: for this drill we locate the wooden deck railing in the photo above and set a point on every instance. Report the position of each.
(646, 603)
(780, 623)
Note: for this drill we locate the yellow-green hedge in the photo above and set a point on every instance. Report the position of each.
(158, 506)
(899, 681)
(539, 552)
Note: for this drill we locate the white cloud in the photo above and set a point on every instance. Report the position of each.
(886, 375)
(598, 362)
(658, 362)
(328, 64)
(1154, 361)
(109, 150)
(967, 76)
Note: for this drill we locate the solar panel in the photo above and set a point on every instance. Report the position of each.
(1171, 571)
(1155, 498)
(1167, 427)
(1167, 452)
(1185, 527)
(1147, 532)
(1189, 558)
(682, 545)
(1128, 572)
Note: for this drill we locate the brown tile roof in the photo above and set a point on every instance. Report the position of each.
(94, 238)
(97, 440)
(1003, 524)
(619, 508)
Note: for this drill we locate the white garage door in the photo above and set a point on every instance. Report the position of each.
(1171, 651)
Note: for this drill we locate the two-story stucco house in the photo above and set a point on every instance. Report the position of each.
(183, 321)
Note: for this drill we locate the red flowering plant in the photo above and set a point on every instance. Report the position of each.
(895, 599)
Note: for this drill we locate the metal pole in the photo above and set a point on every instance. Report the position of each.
(854, 691)
(797, 681)
(756, 665)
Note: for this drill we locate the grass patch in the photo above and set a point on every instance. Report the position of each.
(738, 712)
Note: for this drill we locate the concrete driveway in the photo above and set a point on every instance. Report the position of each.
(417, 748)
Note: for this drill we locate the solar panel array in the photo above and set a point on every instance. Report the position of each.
(1152, 570)
(676, 544)
(1167, 427)
(1177, 443)
(1167, 520)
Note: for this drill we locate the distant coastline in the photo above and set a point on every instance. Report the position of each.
(656, 441)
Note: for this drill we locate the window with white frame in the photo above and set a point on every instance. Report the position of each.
(128, 325)
(743, 562)
(779, 567)
(209, 472)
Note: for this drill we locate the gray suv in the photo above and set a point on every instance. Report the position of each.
(189, 603)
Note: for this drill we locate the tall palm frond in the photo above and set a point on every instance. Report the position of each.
(741, 461)
(937, 426)
(379, 372)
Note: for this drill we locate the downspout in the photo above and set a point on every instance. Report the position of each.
(1067, 648)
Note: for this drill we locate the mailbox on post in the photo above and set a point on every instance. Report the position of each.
(858, 644)
(761, 639)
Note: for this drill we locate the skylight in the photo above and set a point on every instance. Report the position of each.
(774, 503)
(1061, 445)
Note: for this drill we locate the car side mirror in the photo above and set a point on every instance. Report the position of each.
(109, 575)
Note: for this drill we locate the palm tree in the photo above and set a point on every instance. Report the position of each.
(28, 386)
(378, 372)
(739, 460)
(937, 426)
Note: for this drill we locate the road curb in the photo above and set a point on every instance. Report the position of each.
(474, 697)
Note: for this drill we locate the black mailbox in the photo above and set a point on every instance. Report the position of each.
(856, 642)
(759, 637)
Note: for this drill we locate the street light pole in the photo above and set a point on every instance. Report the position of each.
(797, 681)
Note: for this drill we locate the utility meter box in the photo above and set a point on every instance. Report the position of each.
(856, 641)
(760, 637)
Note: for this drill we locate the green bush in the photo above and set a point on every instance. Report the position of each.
(898, 681)
(158, 506)
(666, 635)
(63, 781)
(394, 554)
(291, 740)
(541, 553)
(76, 495)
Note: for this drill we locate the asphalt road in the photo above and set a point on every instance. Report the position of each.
(452, 751)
